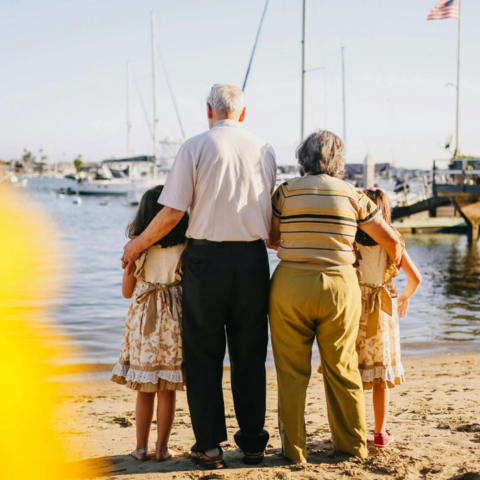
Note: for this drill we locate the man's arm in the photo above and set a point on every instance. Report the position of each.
(177, 197)
(272, 169)
(162, 224)
(384, 235)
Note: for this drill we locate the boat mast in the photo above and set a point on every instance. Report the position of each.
(304, 67)
(155, 119)
(255, 46)
(457, 142)
(344, 102)
(129, 110)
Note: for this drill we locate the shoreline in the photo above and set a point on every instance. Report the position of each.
(409, 355)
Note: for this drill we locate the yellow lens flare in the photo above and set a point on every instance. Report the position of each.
(31, 447)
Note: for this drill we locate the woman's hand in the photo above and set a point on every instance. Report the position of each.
(403, 304)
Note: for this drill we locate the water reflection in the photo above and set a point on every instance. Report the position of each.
(463, 277)
(446, 306)
(463, 286)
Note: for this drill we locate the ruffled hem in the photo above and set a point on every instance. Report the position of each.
(147, 381)
(147, 387)
(387, 377)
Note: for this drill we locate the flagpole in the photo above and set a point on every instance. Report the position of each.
(155, 119)
(304, 68)
(344, 102)
(457, 142)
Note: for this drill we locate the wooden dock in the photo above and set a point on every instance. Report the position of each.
(462, 187)
(458, 190)
(431, 225)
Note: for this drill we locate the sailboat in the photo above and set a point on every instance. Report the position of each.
(132, 176)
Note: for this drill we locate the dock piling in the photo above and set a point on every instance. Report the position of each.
(469, 208)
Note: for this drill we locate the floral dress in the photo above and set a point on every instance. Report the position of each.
(151, 354)
(378, 340)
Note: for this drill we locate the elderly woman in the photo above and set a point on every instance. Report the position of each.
(315, 293)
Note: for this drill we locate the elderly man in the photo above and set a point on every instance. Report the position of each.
(225, 176)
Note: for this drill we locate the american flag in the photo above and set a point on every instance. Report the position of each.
(444, 9)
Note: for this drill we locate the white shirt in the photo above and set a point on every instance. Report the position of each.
(226, 176)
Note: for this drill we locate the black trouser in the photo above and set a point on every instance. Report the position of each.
(225, 289)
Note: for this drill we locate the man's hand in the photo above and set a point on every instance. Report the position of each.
(130, 254)
(273, 246)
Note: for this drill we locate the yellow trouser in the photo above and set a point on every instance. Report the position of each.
(305, 304)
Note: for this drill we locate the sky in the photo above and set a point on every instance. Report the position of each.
(63, 82)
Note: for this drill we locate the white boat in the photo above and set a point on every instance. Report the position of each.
(121, 177)
(13, 179)
(103, 182)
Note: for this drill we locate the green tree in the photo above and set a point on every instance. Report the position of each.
(27, 156)
(43, 157)
(78, 163)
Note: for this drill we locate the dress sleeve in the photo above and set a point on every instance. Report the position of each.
(140, 263)
(278, 202)
(180, 185)
(366, 208)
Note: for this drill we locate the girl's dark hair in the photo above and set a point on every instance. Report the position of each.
(147, 211)
(383, 203)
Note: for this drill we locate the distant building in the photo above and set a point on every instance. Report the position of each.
(65, 168)
(354, 173)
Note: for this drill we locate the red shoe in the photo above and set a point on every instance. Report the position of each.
(382, 440)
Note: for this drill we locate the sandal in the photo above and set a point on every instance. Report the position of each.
(210, 463)
(253, 458)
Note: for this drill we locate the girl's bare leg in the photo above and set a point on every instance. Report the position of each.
(144, 416)
(165, 416)
(381, 401)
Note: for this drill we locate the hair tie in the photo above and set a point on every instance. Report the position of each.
(373, 189)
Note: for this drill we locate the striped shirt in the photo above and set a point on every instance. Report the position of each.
(319, 216)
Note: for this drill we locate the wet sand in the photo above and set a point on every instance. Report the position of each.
(435, 417)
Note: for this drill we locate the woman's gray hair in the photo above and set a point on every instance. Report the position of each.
(225, 98)
(322, 152)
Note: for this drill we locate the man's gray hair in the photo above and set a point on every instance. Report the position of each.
(322, 152)
(225, 98)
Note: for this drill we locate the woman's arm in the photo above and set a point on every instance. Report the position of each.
(128, 283)
(414, 281)
(386, 237)
(273, 240)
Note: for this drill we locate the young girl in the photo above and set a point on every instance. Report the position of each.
(151, 353)
(378, 341)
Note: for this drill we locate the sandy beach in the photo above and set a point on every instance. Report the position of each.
(435, 417)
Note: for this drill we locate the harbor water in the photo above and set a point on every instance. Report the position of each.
(443, 318)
